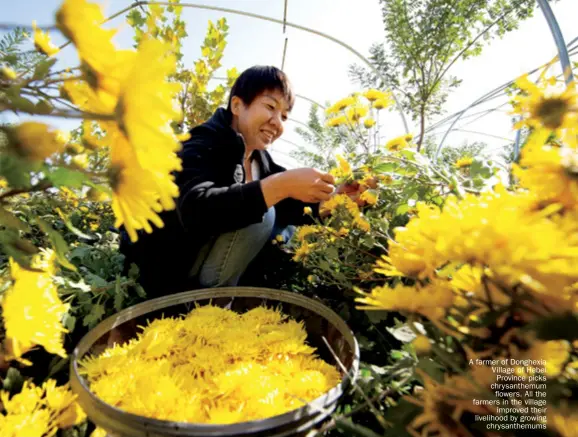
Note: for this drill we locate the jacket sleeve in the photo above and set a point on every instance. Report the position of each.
(206, 204)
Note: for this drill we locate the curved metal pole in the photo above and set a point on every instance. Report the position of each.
(274, 20)
(459, 114)
(559, 39)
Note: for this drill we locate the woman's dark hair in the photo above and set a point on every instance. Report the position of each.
(255, 80)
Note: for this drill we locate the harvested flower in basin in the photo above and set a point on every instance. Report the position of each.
(212, 366)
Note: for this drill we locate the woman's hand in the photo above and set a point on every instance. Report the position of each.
(305, 184)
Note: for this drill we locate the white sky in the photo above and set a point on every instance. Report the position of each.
(318, 67)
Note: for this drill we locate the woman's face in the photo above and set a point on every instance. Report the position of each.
(261, 122)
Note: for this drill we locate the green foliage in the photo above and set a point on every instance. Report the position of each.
(323, 142)
(425, 38)
(12, 53)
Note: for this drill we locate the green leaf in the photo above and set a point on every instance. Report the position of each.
(43, 67)
(95, 280)
(66, 177)
(377, 316)
(16, 247)
(140, 291)
(402, 209)
(58, 244)
(69, 322)
(118, 295)
(10, 220)
(13, 381)
(94, 316)
(385, 167)
(15, 170)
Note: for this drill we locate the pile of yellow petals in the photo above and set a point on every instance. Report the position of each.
(39, 411)
(502, 236)
(132, 88)
(32, 310)
(212, 366)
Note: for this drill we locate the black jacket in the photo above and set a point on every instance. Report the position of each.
(213, 200)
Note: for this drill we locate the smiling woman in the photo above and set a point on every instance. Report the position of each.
(232, 194)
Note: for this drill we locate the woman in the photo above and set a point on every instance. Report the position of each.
(232, 194)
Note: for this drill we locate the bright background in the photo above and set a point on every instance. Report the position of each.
(318, 67)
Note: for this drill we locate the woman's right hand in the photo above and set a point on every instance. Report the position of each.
(308, 184)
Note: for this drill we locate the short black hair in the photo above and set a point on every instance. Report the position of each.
(257, 79)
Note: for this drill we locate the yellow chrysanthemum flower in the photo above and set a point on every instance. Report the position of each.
(7, 73)
(369, 196)
(397, 144)
(136, 200)
(42, 42)
(564, 421)
(145, 108)
(550, 173)
(503, 231)
(382, 103)
(32, 310)
(431, 300)
(307, 210)
(547, 111)
(373, 95)
(337, 121)
(340, 105)
(464, 162)
(36, 141)
(555, 353)
(421, 344)
(81, 22)
(369, 123)
(356, 112)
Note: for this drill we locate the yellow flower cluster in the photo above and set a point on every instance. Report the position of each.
(343, 170)
(39, 411)
(343, 200)
(132, 88)
(547, 111)
(32, 310)
(351, 111)
(199, 368)
(551, 173)
(399, 143)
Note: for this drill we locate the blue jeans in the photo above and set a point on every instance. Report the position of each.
(222, 261)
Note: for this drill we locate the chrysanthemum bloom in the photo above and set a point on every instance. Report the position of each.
(369, 196)
(547, 111)
(431, 300)
(356, 112)
(136, 200)
(382, 103)
(36, 141)
(464, 162)
(397, 144)
(7, 73)
(340, 105)
(551, 173)
(42, 41)
(373, 95)
(32, 310)
(337, 121)
(369, 123)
